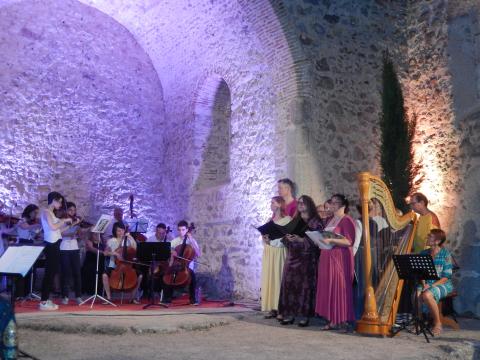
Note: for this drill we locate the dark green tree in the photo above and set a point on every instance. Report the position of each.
(397, 132)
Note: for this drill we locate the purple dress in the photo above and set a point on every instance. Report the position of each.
(334, 299)
(297, 292)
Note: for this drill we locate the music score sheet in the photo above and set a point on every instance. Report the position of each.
(19, 260)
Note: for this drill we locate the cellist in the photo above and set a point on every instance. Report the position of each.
(119, 237)
(183, 232)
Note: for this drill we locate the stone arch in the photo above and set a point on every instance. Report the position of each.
(212, 115)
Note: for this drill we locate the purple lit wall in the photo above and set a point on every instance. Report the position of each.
(81, 108)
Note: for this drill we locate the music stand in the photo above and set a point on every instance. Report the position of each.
(18, 261)
(99, 228)
(416, 267)
(152, 252)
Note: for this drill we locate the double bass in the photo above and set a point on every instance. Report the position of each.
(177, 273)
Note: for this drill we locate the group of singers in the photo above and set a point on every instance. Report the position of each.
(61, 230)
(300, 281)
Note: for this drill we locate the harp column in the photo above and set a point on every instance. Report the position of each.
(370, 313)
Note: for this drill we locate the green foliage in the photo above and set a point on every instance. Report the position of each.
(397, 154)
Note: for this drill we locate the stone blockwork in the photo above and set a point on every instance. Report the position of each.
(273, 87)
(81, 109)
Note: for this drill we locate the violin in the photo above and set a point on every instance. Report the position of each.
(8, 219)
(177, 274)
(81, 222)
(124, 276)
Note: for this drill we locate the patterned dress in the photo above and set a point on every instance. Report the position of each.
(443, 265)
(297, 293)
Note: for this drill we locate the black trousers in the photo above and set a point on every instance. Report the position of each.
(70, 272)
(168, 290)
(52, 265)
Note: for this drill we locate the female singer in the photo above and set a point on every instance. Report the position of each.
(52, 229)
(118, 240)
(274, 254)
(286, 189)
(297, 294)
(70, 258)
(335, 270)
(432, 291)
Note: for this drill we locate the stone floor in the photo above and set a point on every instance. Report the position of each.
(230, 333)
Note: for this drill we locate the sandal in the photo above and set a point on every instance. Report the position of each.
(327, 327)
(437, 330)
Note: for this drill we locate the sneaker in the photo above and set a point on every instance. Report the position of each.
(65, 301)
(47, 306)
(78, 300)
(135, 301)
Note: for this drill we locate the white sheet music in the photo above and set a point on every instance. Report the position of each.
(19, 259)
(102, 223)
(317, 238)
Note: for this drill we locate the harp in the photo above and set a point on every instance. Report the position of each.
(394, 235)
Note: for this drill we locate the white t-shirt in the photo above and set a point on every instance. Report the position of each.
(50, 235)
(114, 244)
(178, 241)
(69, 239)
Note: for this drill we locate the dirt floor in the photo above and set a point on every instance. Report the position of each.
(229, 333)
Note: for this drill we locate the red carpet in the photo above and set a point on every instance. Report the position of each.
(180, 303)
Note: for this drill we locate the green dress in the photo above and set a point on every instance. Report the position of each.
(443, 265)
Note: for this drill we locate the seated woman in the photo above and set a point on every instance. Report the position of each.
(117, 241)
(433, 291)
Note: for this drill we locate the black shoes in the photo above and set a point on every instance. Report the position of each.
(287, 321)
(304, 323)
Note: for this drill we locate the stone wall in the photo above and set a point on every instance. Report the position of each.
(217, 100)
(81, 110)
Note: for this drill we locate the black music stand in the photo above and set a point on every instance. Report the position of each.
(152, 252)
(416, 267)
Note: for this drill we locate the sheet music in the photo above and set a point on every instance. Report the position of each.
(19, 259)
(102, 223)
(317, 238)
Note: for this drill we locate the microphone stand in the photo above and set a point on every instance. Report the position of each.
(96, 296)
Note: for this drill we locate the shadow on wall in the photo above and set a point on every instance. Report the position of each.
(220, 286)
(468, 286)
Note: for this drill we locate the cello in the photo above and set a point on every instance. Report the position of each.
(177, 273)
(124, 276)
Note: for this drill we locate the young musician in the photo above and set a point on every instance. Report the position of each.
(160, 234)
(70, 258)
(120, 237)
(52, 229)
(29, 227)
(184, 235)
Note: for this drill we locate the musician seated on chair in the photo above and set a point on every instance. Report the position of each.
(184, 234)
(113, 251)
(432, 291)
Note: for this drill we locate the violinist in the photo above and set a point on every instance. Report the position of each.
(52, 230)
(113, 250)
(70, 257)
(184, 235)
(29, 226)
